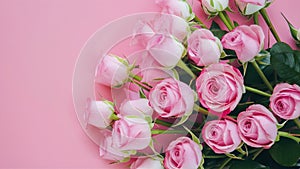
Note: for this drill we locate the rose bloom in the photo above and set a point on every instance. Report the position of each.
(176, 7)
(204, 48)
(147, 163)
(248, 7)
(139, 108)
(212, 7)
(221, 136)
(130, 133)
(183, 153)
(257, 126)
(112, 71)
(172, 98)
(220, 87)
(246, 41)
(285, 101)
(98, 113)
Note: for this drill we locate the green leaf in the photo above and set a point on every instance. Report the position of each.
(286, 62)
(286, 152)
(247, 164)
(216, 30)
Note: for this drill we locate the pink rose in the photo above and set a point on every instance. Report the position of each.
(147, 163)
(130, 133)
(176, 7)
(204, 48)
(257, 126)
(213, 7)
(246, 41)
(112, 71)
(98, 113)
(139, 108)
(183, 153)
(220, 87)
(248, 7)
(172, 98)
(285, 101)
(221, 136)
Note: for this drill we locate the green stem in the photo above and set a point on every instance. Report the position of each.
(184, 67)
(214, 157)
(228, 19)
(297, 122)
(265, 15)
(288, 135)
(256, 91)
(163, 123)
(261, 74)
(223, 18)
(257, 153)
(200, 109)
(225, 163)
(168, 132)
(255, 18)
(200, 22)
(135, 77)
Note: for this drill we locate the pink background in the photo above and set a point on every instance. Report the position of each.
(39, 44)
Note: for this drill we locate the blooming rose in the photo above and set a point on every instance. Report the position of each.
(147, 163)
(285, 101)
(98, 113)
(171, 98)
(130, 133)
(257, 126)
(179, 8)
(204, 48)
(139, 108)
(183, 153)
(221, 136)
(246, 41)
(112, 71)
(212, 7)
(220, 87)
(248, 7)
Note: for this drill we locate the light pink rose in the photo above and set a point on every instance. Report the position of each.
(257, 126)
(285, 101)
(139, 108)
(204, 48)
(220, 87)
(172, 98)
(112, 71)
(108, 151)
(221, 136)
(147, 163)
(98, 113)
(130, 133)
(213, 7)
(183, 153)
(248, 7)
(179, 8)
(246, 41)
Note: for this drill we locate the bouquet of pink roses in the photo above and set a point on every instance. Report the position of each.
(192, 96)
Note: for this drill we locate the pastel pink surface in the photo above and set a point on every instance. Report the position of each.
(39, 45)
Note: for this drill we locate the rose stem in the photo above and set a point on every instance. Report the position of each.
(265, 15)
(256, 91)
(214, 157)
(200, 109)
(225, 163)
(255, 18)
(257, 153)
(225, 21)
(288, 135)
(297, 122)
(229, 20)
(184, 67)
(137, 80)
(261, 74)
(168, 132)
(200, 22)
(163, 123)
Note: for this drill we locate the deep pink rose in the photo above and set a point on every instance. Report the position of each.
(139, 108)
(172, 98)
(221, 136)
(246, 41)
(98, 113)
(257, 126)
(176, 7)
(220, 87)
(130, 133)
(183, 153)
(204, 48)
(147, 163)
(112, 71)
(285, 101)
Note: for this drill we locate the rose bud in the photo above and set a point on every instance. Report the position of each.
(221, 136)
(257, 126)
(246, 41)
(179, 8)
(139, 108)
(146, 163)
(294, 31)
(285, 101)
(213, 7)
(204, 48)
(248, 7)
(183, 153)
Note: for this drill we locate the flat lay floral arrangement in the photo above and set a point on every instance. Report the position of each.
(201, 96)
